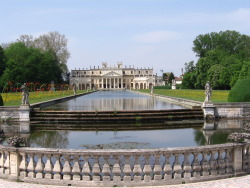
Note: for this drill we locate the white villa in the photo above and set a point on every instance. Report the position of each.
(116, 77)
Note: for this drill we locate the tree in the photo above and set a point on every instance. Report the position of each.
(223, 58)
(28, 64)
(2, 61)
(189, 67)
(231, 42)
(57, 44)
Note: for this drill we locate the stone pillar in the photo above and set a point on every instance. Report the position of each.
(237, 161)
(208, 110)
(24, 112)
(14, 164)
(102, 82)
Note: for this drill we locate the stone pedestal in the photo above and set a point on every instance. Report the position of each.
(208, 110)
(173, 86)
(24, 112)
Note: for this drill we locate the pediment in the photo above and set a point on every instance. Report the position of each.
(112, 74)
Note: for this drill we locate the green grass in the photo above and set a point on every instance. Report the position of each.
(197, 95)
(14, 99)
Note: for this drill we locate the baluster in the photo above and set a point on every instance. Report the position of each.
(23, 165)
(48, 167)
(137, 169)
(116, 170)
(214, 163)
(177, 168)
(167, 168)
(205, 165)
(157, 168)
(229, 162)
(147, 168)
(66, 171)
(221, 162)
(39, 166)
(6, 162)
(187, 166)
(76, 169)
(196, 166)
(86, 169)
(57, 167)
(127, 169)
(31, 166)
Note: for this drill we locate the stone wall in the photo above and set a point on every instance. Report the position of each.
(9, 113)
(136, 167)
(227, 110)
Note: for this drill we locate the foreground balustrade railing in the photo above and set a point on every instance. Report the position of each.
(124, 167)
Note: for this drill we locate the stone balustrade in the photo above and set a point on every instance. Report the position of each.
(134, 167)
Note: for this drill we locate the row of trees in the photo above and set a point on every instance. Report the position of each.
(224, 58)
(28, 59)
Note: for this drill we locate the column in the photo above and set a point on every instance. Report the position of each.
(102, 82)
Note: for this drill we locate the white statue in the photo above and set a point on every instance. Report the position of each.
(208, 92)
(25, 94)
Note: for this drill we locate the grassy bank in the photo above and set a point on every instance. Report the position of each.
(14, 99)
(197, 95)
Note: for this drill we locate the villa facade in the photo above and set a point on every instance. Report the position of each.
(116, 77)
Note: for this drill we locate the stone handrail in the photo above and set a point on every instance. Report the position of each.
(124, 167)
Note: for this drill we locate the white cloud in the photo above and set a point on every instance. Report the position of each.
(157, 37)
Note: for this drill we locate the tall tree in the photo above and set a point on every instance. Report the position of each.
(57, 44)
(231, 42)
(2, 61)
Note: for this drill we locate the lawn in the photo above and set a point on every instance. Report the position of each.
(14, 98)
(197, 95)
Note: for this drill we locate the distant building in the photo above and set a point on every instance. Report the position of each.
(178, 80)
(116, 77)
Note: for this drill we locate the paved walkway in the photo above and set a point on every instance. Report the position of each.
(238, 182)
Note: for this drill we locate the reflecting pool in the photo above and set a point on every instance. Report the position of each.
(84, 138)
(113, 100)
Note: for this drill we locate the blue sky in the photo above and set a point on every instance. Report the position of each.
(143, 33)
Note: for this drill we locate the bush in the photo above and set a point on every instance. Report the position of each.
(163, 87)
(240, 91)
(1, 100)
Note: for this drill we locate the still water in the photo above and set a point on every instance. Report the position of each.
(113, 100)
(94, 136)
(202, 134)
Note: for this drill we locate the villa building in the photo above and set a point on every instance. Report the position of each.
(116, 77)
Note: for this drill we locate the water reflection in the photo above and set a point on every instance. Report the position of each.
(202, 134)
(112, 101)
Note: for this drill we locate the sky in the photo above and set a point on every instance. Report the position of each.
(155, 34)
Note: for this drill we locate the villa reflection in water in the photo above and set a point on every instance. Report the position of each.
(83, 138)
(112, 101)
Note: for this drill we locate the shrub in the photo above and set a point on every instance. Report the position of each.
(1, 100)
(163, 87)
(240, 91)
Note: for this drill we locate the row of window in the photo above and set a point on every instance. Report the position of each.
(131, 73)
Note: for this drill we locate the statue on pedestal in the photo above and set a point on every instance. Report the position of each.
(208, 92)
(25, 94)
